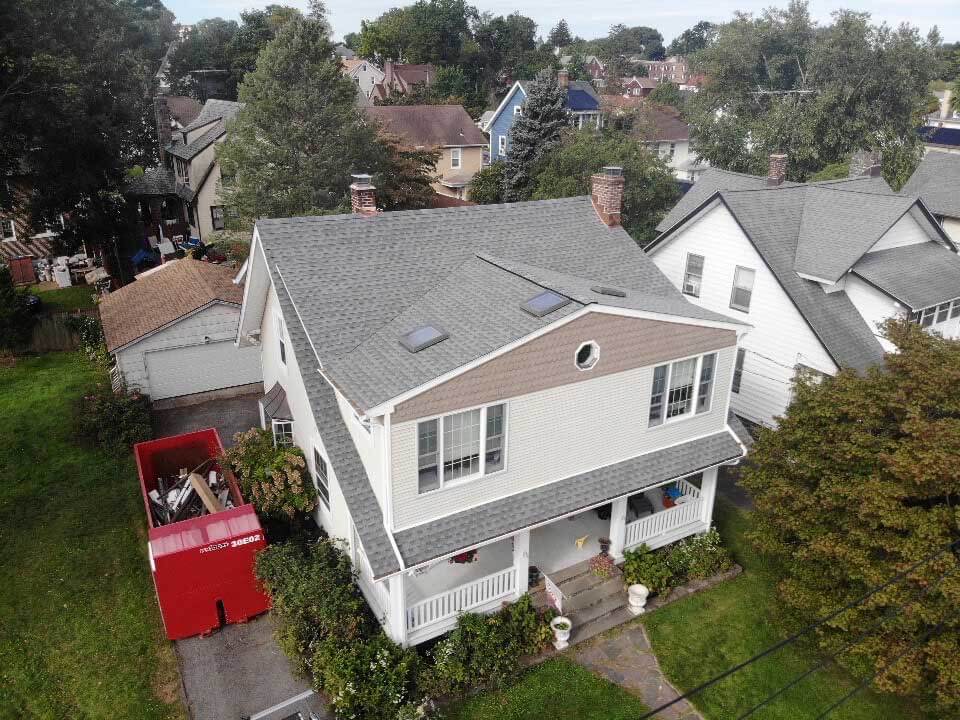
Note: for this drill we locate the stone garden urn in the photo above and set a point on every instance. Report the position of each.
(637, 598)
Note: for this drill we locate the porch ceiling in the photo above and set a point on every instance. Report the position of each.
(484, 523)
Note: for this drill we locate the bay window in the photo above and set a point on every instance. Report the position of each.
(682, 388)
(449, 447)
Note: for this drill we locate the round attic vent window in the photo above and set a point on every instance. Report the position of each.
(587, 355)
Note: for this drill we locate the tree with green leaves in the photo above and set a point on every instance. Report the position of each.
(486, 187)
(692, 39)
(650, 189)
(429, 31)
(16, 319)
(781, 83)
(640, 40)
(534, 133)
(667, 93)
(560, 35)
(844, 516)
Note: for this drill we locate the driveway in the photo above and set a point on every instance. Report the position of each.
(228, 415)
(239, 673)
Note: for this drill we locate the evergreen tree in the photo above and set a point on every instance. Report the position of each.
(560, 35)
(486, 187)
(533, 134)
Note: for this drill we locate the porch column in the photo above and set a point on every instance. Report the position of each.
(618, 527)
(708, 491)
(397, 612)
(521, 561)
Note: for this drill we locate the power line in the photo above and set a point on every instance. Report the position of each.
(856, 641)
(797, 635)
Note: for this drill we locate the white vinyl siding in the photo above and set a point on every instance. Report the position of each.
(554, 434)
(906, 231)
(779, 339)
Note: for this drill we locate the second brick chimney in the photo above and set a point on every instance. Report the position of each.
(606, 192)
(778, 170)
(363, 195)
(563, 79)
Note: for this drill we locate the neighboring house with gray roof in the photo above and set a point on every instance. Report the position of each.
(482, 389)
(937, 181)
(815, 268)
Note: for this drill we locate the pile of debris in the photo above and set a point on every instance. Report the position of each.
(189, 495)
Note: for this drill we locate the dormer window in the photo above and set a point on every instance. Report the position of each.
(183, 170)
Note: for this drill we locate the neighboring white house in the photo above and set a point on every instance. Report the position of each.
(486, 388)
(815, 269)
(365, 74)
(171, 331)
(937, 181)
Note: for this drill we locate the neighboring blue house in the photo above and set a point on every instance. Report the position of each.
(583, 104)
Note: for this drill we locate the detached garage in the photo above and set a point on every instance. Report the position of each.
(172, 331)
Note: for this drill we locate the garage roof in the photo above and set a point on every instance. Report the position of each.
(161, 298)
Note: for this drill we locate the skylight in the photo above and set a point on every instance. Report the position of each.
(606, 290)
(422, 337)
(544, 303)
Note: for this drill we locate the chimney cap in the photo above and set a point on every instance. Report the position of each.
(613, 170)
(361, 179)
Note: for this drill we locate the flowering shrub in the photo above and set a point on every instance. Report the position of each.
(602, 565)
(695, 557)
(115, 420)
(274, 478)
(90, 332)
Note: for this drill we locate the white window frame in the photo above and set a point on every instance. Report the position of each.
(665, 403)
(463, 479)
(687, 273)
(592, 360)
(518, 110)
(456, 158)
(326, 477)
(213, 217)
(13, 230)
(734, 287)
(501, 145)
(281, 339)
(274, 425)
(736, 377)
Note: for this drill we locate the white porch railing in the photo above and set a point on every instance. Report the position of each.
(683, 513)
(554, 593)
(451, 603)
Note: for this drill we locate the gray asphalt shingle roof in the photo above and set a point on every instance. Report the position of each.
(358, 282)
(465, 529)
(218, 112)
(214, 109)
(937, 181)
(919, 276)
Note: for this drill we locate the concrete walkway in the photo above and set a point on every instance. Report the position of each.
(626, 659)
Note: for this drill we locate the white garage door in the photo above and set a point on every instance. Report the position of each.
(197, 368)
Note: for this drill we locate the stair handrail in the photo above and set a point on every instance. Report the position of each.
(554, 593)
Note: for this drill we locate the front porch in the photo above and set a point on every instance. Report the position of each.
(482, 578)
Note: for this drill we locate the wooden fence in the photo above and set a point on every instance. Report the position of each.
(52, 334)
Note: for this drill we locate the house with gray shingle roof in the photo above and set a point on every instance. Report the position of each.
(937, 181)
(814, 268)
(485, 393)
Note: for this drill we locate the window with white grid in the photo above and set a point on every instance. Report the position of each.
(460, 446)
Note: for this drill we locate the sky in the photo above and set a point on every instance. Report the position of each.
(592, 19)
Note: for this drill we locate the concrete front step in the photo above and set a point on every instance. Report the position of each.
(601, 624)
(592, 595)
(605, 606)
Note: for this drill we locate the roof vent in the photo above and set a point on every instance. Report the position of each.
(544, 303)
(422, 337)
(605, 290)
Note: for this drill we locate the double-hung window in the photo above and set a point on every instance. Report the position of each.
(320, 478)
(455, 157)
(682, 388)
(216, 217)
(501, 145)
(282, 433)
(943, 311)
(742, 289)
(693, 275)
(461, 445)
(280, 340)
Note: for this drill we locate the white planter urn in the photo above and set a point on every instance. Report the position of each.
(637, 598)
(561, 627)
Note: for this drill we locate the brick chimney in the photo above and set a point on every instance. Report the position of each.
(778, 170)
(607, 194)
(865, 162)
(161, 111)
(388, 74)
(363, 195)
(563, 79)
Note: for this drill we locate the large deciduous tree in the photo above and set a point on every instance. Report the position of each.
(534, 133)
(781, 83)
(693, 39)
(650, 189)
(858, 483)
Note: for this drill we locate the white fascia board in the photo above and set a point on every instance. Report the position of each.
(255, 247)
(299, 317)
(390, 405)
(822, 281)
(241, 273)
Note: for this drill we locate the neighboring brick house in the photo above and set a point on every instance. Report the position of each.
(402, 79)
(595, 68)
(447, 128)
(583, 107)
(483, 393)
(639, 86)
(18, 237)
(672, 69)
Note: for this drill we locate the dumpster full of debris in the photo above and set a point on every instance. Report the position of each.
(203, 537)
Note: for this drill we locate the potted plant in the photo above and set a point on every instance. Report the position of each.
(561, 627)
(604, 545)
(533, 575)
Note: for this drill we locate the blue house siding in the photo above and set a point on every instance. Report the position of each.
(500, 127)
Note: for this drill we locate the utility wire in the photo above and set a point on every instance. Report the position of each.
(800, 633)
(856, 641)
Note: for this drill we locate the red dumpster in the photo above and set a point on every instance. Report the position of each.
(203, 566)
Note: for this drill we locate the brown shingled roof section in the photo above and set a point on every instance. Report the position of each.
(656, 123)
(183, 109)
(428, 125)
(163, 297)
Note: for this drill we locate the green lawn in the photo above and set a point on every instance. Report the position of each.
(703, 635)
(558, 689)
(80, 634)
(75, 297)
